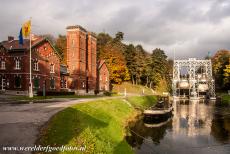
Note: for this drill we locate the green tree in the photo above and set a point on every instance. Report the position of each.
(119, 36)
(140, 63)
(158, 66)
(131, 61)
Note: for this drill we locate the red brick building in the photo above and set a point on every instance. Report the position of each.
(14, 66)
(103, 76)
(79, 74)
(81, 59)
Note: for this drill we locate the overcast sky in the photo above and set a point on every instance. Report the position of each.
(190, 27)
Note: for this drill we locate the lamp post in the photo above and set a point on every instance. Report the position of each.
(30, 83)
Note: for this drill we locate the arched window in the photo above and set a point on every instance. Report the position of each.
(52, 68)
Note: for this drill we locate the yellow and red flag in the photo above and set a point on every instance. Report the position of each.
(26, 28)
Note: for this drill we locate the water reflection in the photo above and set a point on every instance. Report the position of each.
(192, 119)
(196, 127)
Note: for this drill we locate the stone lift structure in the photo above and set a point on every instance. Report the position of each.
(196, 81)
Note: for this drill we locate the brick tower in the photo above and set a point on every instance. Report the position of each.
(81, 59)
(91, 61)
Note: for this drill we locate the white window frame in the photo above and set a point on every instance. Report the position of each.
(17, 64)
(52, 68)
(63, 83)
(3, 65)
(36, 65)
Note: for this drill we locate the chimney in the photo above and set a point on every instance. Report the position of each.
(10, 38)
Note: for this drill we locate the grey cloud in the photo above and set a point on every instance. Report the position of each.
(192, 28)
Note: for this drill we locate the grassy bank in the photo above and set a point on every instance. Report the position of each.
(98, 125)
(225, 99)
(141, 102)
(133, 89)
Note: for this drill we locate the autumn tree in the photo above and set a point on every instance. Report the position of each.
(129, 62)
(111, 50)
(60, 46)
(227, 74)
(219, 62)
(102, 40)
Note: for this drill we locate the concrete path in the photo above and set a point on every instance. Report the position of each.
(20, 123)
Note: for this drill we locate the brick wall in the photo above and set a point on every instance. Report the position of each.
(103, 78)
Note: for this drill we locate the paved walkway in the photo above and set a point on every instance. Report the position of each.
(20, 123)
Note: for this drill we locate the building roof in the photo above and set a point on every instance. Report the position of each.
(76, 27)
(92, 34)
(101, 62)
(13, 45)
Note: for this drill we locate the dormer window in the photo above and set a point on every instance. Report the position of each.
(52, 68)
(3, 65)
(17, 64)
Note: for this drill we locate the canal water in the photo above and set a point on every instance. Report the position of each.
(196, 127)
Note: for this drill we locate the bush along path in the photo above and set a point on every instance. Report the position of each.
(99, 125)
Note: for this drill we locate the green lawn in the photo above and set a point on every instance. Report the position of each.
(98, 125)
(50, 97)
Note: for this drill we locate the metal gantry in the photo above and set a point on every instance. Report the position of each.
(196, 80)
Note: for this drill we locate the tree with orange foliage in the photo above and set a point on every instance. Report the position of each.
(112, 52)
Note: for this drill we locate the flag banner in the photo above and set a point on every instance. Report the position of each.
(26, 28)
(20, 37)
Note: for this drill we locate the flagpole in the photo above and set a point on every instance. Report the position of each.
(30, 84)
